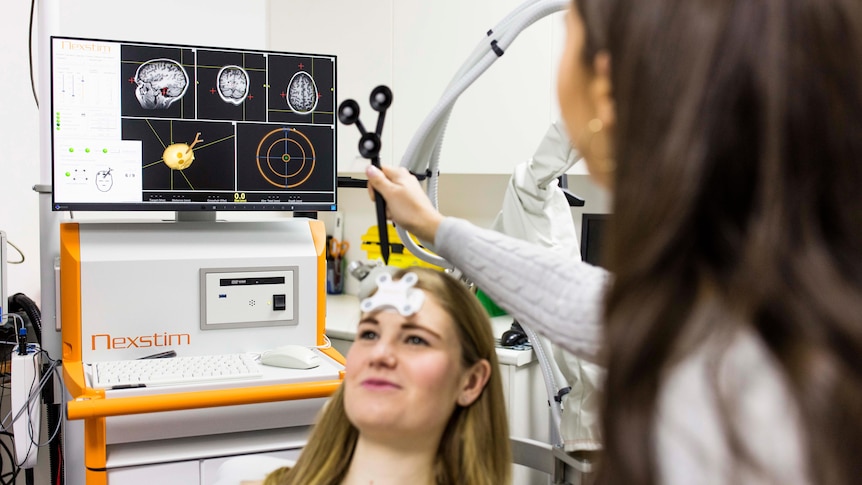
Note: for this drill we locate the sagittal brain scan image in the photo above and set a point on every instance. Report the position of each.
(302, 93)
(232, 84)
(160, 83)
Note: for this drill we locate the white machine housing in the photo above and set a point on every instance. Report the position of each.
(196, 288)
(135, 289)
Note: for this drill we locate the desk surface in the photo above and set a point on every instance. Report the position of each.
(342, 317)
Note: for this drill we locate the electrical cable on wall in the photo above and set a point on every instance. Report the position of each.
(21, 253)
(30, 51)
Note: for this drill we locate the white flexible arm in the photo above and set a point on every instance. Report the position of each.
(535, 210)
(422, 154)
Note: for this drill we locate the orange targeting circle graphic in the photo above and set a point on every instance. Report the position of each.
(285, 157)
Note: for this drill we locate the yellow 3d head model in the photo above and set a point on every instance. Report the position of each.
(180, 156)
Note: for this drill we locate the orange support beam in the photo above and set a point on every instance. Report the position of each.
(95, 453)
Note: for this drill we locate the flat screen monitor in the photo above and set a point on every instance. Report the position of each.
(157, 127)
(592, 229)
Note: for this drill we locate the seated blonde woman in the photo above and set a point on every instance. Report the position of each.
(422, 400)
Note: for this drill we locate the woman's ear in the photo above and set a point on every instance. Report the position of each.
(473, 382)
(601, 89)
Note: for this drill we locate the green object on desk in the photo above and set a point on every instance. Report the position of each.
(490, 307)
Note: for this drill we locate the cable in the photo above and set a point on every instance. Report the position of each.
(30, 52)
(423, 152)
(551, 386)
(20, 301)
(16, 318)
(12, 476)
(47, 379)
(59, 476)
(51, 370)
(327, 343)
(52, 411)
(15, 469)
(19, 252)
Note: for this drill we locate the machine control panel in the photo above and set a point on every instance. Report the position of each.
(248, 297)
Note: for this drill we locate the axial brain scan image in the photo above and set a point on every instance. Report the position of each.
(232, 84)
(302, 93)
(161, 82)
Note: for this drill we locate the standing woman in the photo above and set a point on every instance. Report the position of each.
(730, 133)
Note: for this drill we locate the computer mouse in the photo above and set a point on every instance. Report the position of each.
(514, 336)
(511, 338)
(291, 356)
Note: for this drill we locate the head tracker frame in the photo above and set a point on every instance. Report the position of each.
(400, 295)
(369, 147)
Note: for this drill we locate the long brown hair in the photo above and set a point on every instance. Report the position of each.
(474, 448)
(738, 149)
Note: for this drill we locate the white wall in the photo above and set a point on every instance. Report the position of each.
(19, 151)
(416, 47)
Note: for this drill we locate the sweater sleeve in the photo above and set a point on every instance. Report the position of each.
(557, 297)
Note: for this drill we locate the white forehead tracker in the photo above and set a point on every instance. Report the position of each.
(399, 295)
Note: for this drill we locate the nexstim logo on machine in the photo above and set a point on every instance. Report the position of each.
(109, 342)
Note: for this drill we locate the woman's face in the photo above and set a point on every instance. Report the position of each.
(580, 92)
(404, 375)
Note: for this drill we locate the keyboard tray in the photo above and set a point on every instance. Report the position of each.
(129, 374)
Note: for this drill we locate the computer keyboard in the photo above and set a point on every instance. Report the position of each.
(126, 374)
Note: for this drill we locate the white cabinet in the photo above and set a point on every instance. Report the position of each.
(193, 472)
(184, 473)
(197, 460)
(526, 401)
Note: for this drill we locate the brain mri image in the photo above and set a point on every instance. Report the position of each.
(302, 93)
(232, 84)
(160, 83)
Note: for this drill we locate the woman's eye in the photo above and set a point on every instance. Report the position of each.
(415, 340)
(367, 335)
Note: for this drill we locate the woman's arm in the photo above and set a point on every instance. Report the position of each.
(558, 297)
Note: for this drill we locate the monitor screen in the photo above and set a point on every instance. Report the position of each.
(141, 126)
(592, 228)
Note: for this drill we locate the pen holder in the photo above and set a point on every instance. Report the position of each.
(335, 276)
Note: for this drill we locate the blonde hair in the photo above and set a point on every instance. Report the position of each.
(474, 448)
(277, 476)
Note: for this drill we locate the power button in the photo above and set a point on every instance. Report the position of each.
(278, 302)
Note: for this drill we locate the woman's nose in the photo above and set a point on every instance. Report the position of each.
(383, 353)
